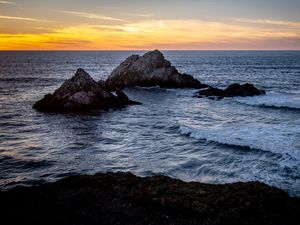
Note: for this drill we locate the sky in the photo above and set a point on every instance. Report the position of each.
(152, 24)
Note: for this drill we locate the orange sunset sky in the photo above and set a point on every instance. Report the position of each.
(164, 24)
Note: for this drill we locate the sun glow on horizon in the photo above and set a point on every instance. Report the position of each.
(169, 34)
(100, 31)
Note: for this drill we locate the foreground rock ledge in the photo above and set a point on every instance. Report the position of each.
(151, 69)
(122, 198)
(81, 93)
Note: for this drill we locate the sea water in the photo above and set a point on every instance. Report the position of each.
(172, 133)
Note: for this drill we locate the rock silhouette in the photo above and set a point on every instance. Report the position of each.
(232, 90)
(81, 93)
(151, 69)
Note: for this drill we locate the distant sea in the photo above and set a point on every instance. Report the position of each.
(171, 133)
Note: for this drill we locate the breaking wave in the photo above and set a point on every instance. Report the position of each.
(276, 100)
(279, 140)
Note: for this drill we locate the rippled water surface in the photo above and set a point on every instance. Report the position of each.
(171, 133)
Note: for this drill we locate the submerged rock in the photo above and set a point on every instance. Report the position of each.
(81, 93)
(232, 90)
(122, 198)
(151, 69)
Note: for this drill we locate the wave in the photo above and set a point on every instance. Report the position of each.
(276, 67)
(8, 162)
(278, 140)
(31, 79)
(274, 100)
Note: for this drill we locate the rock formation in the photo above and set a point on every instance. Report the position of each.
(81, 93)
(122, 198)
(151, 69)
(232, 90)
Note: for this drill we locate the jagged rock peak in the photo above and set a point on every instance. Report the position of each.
(151, 69)
(80, 93)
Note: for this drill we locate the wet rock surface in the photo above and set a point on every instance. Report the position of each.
(81, 93)
(151, 69)
(232, 90)
(122, 198)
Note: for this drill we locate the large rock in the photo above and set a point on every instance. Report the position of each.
(232, 90)
(151, 69)
(81, 93)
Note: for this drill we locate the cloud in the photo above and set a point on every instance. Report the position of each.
(145, 15)
(142, 15)
(8, 3)
(270, 22)
(22, 18)
(199, 30)
(92, 16)
(164, 34)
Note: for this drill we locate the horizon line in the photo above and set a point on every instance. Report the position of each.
(115, 50)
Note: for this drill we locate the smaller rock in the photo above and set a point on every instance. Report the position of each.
(242, 90)
(81, 93)
(123, 98)
(211, 91)
(232, 90)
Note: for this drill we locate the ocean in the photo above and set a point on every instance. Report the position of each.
(172, 133)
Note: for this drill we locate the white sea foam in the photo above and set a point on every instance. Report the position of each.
(278, 100)
(280, 139)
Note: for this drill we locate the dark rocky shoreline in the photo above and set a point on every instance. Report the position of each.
(122, 198)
